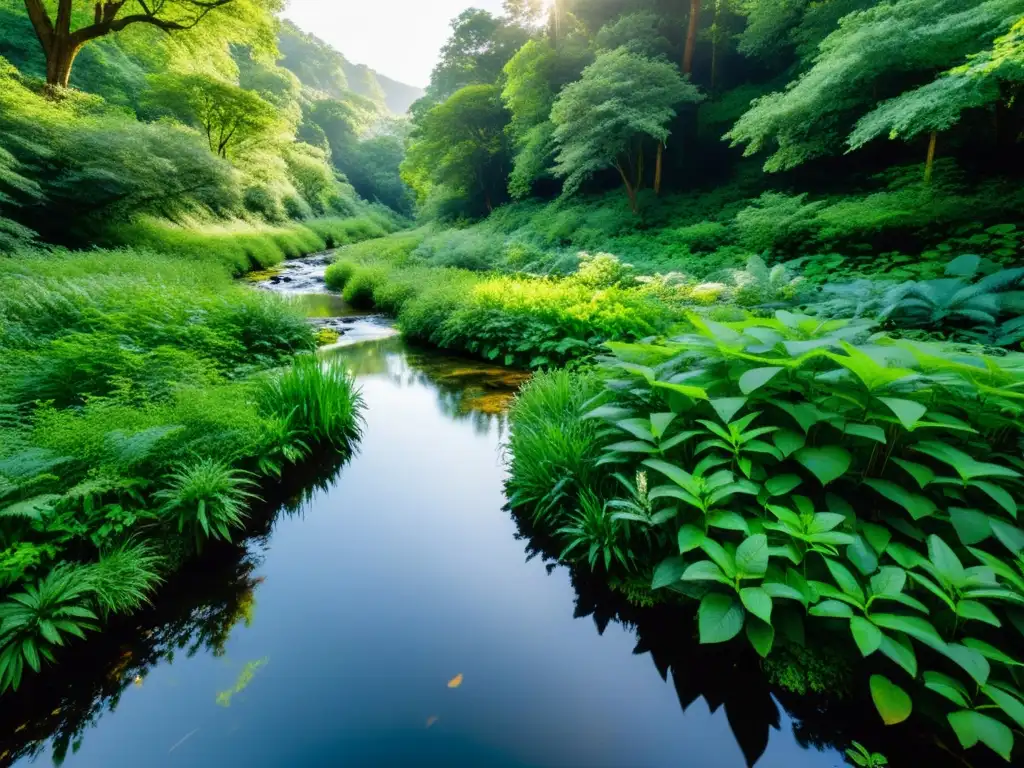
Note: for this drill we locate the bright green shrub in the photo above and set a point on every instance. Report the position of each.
(777, 222)
(793, 471)
(205, 499)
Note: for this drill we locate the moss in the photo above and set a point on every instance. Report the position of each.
(805, 670)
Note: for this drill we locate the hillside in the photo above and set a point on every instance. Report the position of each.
(322, 68)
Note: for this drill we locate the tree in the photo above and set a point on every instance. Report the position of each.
(870, 58)
(229, 116)
(461, 144)
(603, 120)
(639, 32)
(61, 44)
(994, 76)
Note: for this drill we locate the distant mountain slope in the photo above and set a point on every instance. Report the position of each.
(320, 67)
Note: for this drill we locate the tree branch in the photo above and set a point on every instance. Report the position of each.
(40, 22)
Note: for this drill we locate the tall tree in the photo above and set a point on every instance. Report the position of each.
(461, 144)
(61, 43)
(604, 119)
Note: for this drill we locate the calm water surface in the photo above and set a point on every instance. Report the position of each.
(345, 629)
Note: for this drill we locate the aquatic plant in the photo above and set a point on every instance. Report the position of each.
(205, 498)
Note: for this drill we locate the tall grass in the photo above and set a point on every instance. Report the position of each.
(318, 397)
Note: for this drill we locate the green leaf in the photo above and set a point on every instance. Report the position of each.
(776, 589)
(728, 520)
(869, 431)
(891, 701)
(727, 407)
(679, 476)
(889, 581)
(991, 652)
(878, 536)
(756, 378)
(972, 526)
(639, 428)
(760, 635)
(832, 609)
(862, 556)
(972, 609)
(660, 422)
(972, 727)
(788, 442)
(758, 602)
(705, 570)
(719, 618)
(780, 485)
(867, 636)
(900, 652)
(904, 555)
(752, 556)
(632, 446)
(846, 580)
(945, 561)
(918, 506)
(922, 474)
(914, 626)
(723, 559)
(1009, 536)
(822, 522)
(999, 495)
(946, 686)
(669, 571)
(827, 463)
(1011, 705)
(971, 660)
(690, 537)
(907, 411)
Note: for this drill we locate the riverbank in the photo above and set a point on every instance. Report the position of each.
(143, 404)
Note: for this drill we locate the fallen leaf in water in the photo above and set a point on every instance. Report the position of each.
(431, 720)
(456, 681)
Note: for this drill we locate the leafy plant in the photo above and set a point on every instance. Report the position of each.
(206, 499)
(34, 623)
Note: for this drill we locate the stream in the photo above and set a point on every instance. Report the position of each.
(391, 612)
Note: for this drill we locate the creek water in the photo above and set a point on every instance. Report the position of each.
(392, 614)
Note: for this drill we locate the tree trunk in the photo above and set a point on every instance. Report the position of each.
(59, 58)
(657, 168)
(714, 50)
(631, 191)
(691, 37)
(930, 161)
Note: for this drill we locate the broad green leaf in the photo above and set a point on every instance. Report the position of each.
(964, 464)
(660, 422)
(945, 561)
(907, 411)
(752, 556)
(869, 431)
(878, 536)
(972, 609)
(889, 581)
(669, 571)
(972, 727)
(608, 412)
(905, 556)
(1010, 536)
(758, 602)
(918, 506)
(991, 652)
(900, 652)
(915, 626)
(776, 589)
(846, 580)
(727, 407)
(695, 393)
(704, 570)
(827, 463)
(922, 475)
(788, 442)
(972, 526)
(722, 558)
(971, 660)
(862, 556)
(719, 618)
(632, 446)
(867, 636)
(1011, 705)
(780, 485)
(873, 374)
(999, 495)
(822, 522)
(760, 635)
(728, 520)
(946, 686)
(832, 609)
(891, 701)
(756, 378)
(690, 537)
(678, 475)
(638, 428)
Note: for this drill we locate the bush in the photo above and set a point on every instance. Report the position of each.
(789, 470)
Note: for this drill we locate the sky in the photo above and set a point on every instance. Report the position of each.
(399, 38)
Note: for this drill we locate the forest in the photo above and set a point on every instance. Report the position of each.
(764, 257)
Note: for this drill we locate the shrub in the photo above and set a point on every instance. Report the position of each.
(319, 398)
(777, 222)
(800, 470)
(205, 499)
(704, 236)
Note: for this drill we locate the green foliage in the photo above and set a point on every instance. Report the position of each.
(858, 754)
(317, 398)
(34, 623)
(124, 577)
(621, 99)
(205, 499)
(798, 469)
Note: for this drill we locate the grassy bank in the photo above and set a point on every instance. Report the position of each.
(802, 484)
(142, 403)
(517, 319)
